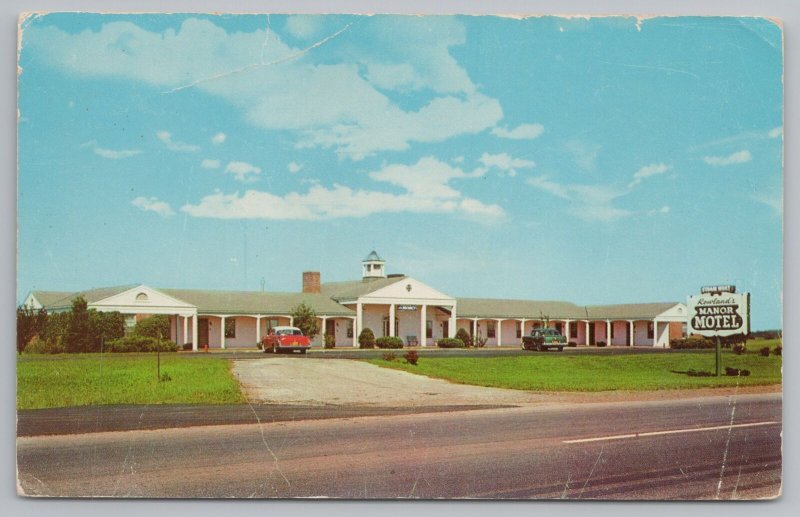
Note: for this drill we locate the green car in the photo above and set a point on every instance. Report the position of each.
(543, 339)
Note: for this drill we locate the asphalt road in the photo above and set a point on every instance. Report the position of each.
(717, 447)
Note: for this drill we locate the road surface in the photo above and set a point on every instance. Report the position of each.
(705, 448)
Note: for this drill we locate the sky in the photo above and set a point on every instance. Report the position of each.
(596, 161)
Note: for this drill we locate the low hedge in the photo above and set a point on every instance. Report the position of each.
(691, 343)
(450, 343)
(135, 343)
(389, 342)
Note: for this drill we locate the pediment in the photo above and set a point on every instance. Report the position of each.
(144, 298)
(408, 289)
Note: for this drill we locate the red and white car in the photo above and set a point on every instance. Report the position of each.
(283, 339)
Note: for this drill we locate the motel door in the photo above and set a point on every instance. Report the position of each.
(591, 334)
(330, 327)
(445, 328)
(202, 332)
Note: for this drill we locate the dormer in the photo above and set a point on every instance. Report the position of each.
(373, 267)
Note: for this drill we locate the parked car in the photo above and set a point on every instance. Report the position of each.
(285, 339)
(543, 339)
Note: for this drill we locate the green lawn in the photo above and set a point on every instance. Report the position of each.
(597, 372)
(92, 379)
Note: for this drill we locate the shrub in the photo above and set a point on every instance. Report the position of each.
(38, 345)
(306, 320)
(479, 341)
(736, 372)
(698, 373)
(411, 357)
(366, 339)
(153, 326)
(389, 356)
(450, 343)
(135, 343)
(691, 343)
(30, 323)
(464, 336)
(739, 349)
(601, 343)
(330, 341)
(572, 344)
(190, 346)
(764, 351)
(778, 350)
(389, 342)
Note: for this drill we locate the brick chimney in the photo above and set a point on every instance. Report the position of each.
(311, 282)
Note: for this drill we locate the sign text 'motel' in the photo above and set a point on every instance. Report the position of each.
(720, 312)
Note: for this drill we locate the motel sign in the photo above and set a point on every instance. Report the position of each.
(719, 311)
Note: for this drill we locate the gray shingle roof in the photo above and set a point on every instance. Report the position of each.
(91, 296)
(353, 289)
(47, 298)
(492, 308)
(256, 302)
(629, 311)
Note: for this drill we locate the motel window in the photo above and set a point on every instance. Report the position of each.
(612, 331)
(386, 327)
(490, 329)
(429, 328)
(350, 328)
(130, 323)
(230, 327)
(560, 328)
(650, 330)
(573, 329)
(683, 329)
(519, 330)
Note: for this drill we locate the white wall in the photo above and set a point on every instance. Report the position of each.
(640, 334)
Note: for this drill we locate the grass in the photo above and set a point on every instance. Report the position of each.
(91, 379)
(595, 372)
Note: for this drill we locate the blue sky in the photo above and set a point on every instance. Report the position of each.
(603, 160)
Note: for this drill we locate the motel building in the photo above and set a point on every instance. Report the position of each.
(389, 304)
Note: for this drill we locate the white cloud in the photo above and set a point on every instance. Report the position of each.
(294, 167)
(647, 171)
(521, 132)
(180, 147)
(110, 153)
(243, 171)
(775, 202)
(587, 202)
(584, 153)
(424, 188)
(331, 105)
(303, 26)
(776, 132)
(664, 210)
(743, 156)
(505, 163)
(210, 164)
(152, 204)
(218, 138)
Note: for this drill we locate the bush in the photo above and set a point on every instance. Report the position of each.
(464, 336)
(366, 339)
(479, 341)
(190, 346)
(330, 341)
(601, 343)
(778, 350)
(135, 343)
(691, 343)
(389, 356)
(764, 351)
(739, 349)
(572, 344)
(389, 342)
(450, 343)
(306, 320)
(38, 345)
(153, 326)
(411, 357)
(736, 372)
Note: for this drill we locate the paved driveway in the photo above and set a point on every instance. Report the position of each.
(295, 380)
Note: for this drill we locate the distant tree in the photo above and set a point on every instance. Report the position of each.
(79, 331)
(306, 320)
(30, 322)
(156, 326)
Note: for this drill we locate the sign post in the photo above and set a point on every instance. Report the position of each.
(719, 311)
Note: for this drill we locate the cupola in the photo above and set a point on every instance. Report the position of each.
(373, 266)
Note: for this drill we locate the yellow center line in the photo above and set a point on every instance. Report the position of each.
(671, 431)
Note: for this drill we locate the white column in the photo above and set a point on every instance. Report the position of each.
(185, 330)
(451, 328)
(586, 337)
(391, 320)
(222, 331)
(194, 332)
(357, 322)
(258, 329)
(566, 330)
(423, 333)
(655, 332)
(632, 341)
(522, 329)
(608, 332)
(499, 333)
(474, 329)
(322, 330)
(291, 321)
